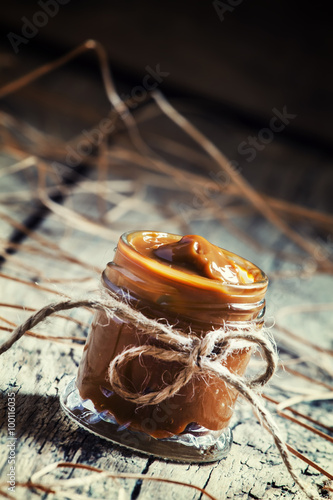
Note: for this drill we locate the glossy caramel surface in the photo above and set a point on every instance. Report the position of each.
(194, 255)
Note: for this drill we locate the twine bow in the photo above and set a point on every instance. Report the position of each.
(203, 355)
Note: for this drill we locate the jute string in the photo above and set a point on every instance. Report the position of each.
(202, 356)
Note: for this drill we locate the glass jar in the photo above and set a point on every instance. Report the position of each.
(192, 425)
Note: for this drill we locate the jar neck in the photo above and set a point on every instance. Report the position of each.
(197, 317)
(200, 303)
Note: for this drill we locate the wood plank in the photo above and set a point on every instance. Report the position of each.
(39, 371)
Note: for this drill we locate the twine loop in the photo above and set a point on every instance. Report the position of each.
(204, 356)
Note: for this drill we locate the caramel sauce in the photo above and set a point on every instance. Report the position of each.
(193, 255)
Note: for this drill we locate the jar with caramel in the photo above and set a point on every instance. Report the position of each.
(196, 287)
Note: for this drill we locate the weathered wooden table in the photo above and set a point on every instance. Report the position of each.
(48, 249)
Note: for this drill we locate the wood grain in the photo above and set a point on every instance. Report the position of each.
(37, 370)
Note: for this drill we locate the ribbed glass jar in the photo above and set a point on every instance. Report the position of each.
(192, 424)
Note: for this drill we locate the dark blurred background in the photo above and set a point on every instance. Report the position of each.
(237, 59)
(251, 56)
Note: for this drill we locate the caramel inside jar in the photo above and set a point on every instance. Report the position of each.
(195, 286)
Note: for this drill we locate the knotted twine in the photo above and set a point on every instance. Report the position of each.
(202, 356)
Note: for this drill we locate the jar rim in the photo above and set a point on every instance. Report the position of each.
(164, 270)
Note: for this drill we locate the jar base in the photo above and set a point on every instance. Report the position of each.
(189, 448)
